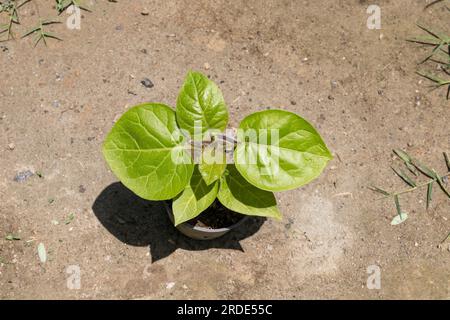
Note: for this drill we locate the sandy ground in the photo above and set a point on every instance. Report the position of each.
(316, 58)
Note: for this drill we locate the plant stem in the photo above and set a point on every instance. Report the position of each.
(417, 187)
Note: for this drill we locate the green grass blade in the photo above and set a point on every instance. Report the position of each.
(31, 31)
(397, 206)
(402, 155)
(424, 169)
(50, 35)
(404, 177)
(429, 193)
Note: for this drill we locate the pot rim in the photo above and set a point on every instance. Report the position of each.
(203, 229)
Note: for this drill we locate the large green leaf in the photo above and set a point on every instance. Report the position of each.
(196, 197)
(238, 195)
(200, 102)
(278, 150)
(212, 165)
(145, 150)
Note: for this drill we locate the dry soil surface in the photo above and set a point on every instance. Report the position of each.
(316, 58)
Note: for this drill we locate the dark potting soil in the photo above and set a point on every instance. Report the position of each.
(215, 217)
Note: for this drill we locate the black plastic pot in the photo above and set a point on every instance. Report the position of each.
(201, 233)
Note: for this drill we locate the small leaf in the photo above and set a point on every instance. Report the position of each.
(376, 189)
(429, 193)
(11, 237)
(424, 169)
(42, 253)
(69, 218)
(397, 205)
(212, 165)
(200, 102)
(404, 177)
(399, 219)
(402, 155)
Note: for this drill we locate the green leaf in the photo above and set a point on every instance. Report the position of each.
(238, 195)
(195, 198)
(213, 164)
(278, 150)
(399, 219)
(200, 102)
(145, 150)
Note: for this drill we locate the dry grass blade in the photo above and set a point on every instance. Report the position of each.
(379, 190)
(432, 3)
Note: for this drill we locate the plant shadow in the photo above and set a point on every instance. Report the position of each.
(140, 222)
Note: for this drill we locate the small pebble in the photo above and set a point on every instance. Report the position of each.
(333, 83)
(144, 51)
(170, 285)
(11, 146)
(56, 104)
(81, 189)
(145, 12)
(23, 175)
(119, 27)
(293, 102)
(146, 82)
(206, 66)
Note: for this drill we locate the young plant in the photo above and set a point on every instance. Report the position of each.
(41, 33)
(188, 156)
(441, 50)
(11, 7)
(415, 167)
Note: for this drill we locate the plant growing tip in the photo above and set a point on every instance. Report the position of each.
(273, 150)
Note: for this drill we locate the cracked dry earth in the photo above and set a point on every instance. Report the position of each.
(316, 58)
